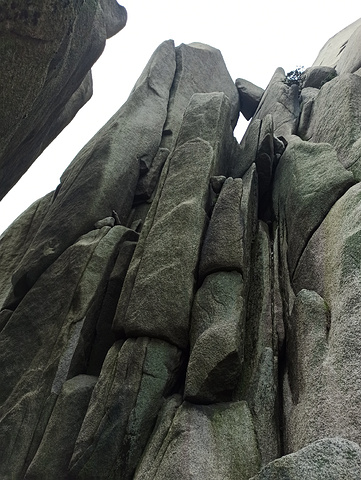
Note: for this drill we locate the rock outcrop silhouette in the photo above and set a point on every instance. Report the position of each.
(186, 306)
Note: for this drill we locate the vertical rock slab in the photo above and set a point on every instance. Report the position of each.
(16, 239)
(258, 384)
(281, 101)
(204, 441)
(123, 408)
(104, 175)
(45, 340)
(47, 49)
(330, 266)
(104, 336)
(302, 200)
(331, 458)
(55, 451)
(223, 247)
(308, 408)
(158, 292)
(336, 118)
(217, 339)
(200, 69)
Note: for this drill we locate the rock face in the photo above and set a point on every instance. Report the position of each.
(184, 306)
(47, 49)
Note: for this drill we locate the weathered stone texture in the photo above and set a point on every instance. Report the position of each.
(249, 95)
(123, 408)
(47, 49)
(203, 441)
(301, 201)
(331, 458)
(161, 288)
(281, 101)
(184, 306)
(104, 175)
(46, 339)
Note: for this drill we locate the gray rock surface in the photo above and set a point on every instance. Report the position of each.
(123, 408)
(47, 50)
(158, 294)
(200, 69)
(331, 458)
(316, 77)
(322, 268)
(224, 246)
(333, 48)
(104, 175)
(217, 339)
(184, 306)
(200, 443)
(302, 201)
(46, 338)
(335, 117)
(56, 448)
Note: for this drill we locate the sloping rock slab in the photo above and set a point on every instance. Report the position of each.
(104, 175)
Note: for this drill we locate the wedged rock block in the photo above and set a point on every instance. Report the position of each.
(104, 335)
(281, 101)
(217, 338)
(46, 339)
(330, 266)
(223, 247)
(47, 50)
(316, 77)
(136, 375)
(250, 95)
(200, 69)
(300, 200)
(202, 441)
(265, 163)
(104, 175)
(56, 448)
(158, 291)
(16, 240)
(331, 458)
(248, 149)
(335, 117)
(307, 98)
(148, 181)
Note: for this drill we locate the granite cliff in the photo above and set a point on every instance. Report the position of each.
(186, 306)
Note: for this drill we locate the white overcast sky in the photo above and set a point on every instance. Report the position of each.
(255, 37)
